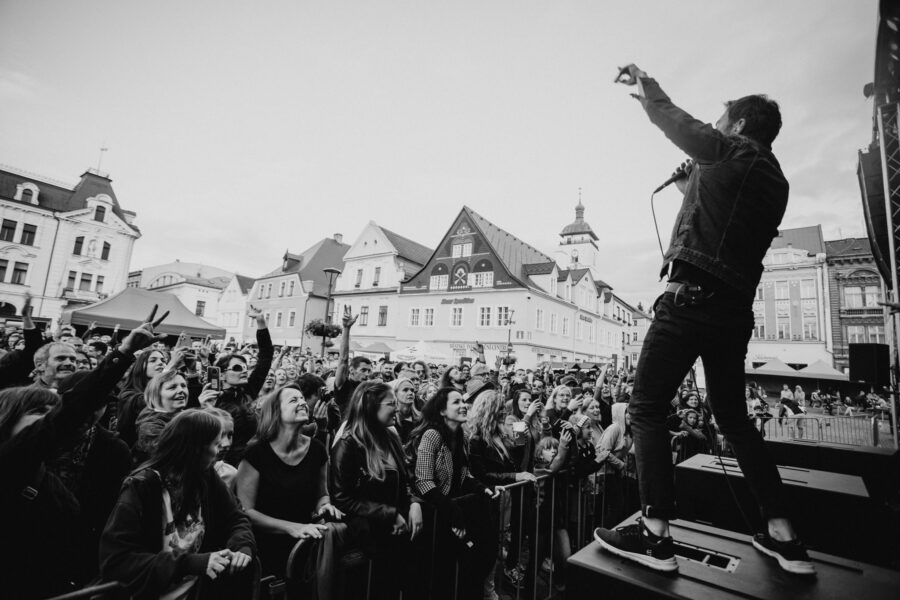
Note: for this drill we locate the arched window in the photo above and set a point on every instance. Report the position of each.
(483, 274)
(105, 254)
(440, 277)
(79, 245)
(100, 214)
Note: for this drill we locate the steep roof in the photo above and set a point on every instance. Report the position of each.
(310, 263)
(58, 196)
(408, 249)
(245, 283)
(539, 268)
(801, 238)
(601, 284)
(577, 274)
(579, 225)
(848, 247)
(514, 253)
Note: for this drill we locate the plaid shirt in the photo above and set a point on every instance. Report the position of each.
(434, 465)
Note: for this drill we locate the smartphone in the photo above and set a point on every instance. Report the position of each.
(214, 378)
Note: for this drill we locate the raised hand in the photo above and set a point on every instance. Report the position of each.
(348, 319)
(143, 336)
(629, 74)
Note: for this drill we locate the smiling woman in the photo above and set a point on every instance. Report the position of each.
(166, 396)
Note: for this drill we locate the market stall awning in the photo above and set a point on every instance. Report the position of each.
(822, 370)
(379, 347)
(131, 306)
(773, 367)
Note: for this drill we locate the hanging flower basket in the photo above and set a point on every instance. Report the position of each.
(318, 328)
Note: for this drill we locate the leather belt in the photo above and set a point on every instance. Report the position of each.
(687, 293)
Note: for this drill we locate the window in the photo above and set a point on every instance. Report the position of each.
(484, 316)
(578, 329)
(807, 288)
(759, 326)
(456, 316)
(502, 316)
(20, 273)
(99, 287)
(429, 317)
(8, 231)
(291, 288)
(201, 308)
(4, 264)
(278, 317)
(439, 282)
(104, 255)
(259, 291)
(565, 325)
(414, 317)
(377, 277)
(28, 234)
(79, 245)
(281, 289)
(71, 283)
(100, 213)
(462, 250)
(539, 319)
(364, 316)
(482, 279)
(85, 283)
(856, 334)
(552, 322)
(876, 334)
(382, 316)
(292, 316)
(268, 317)
(359, 274)
(784, 329)
(810, 320)
(872, 295)
(268, 290)
(781, 290)
(759, 293)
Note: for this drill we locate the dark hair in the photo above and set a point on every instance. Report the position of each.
(311, 385)
(100, 347)
(365, 428)
(269, 421)
(445, 381)
(137, 376)
(222, 361)
(358, 360)
(18, 402)
(433, 419)
(179, 458)
(515, 401)
(762, 118)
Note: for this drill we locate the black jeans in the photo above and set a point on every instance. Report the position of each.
(717, 331)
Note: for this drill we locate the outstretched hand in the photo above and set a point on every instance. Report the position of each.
(349, 319)
(143, 336)
(629, 74)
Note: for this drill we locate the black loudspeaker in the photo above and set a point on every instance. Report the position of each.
(871, 186)
(832, 512)
(714, 564)
(870, 363)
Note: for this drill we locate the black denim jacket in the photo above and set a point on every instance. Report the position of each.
(735, 197)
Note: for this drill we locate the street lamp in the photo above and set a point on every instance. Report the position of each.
(332, 275)
(509, 346)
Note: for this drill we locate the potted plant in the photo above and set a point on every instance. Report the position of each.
(319, 328)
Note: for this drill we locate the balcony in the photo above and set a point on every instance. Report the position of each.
(865, 311)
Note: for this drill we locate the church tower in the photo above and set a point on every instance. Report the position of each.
(578, 244)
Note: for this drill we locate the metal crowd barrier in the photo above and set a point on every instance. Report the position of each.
(853, 431)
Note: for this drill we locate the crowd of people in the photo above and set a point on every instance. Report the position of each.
(172, 469)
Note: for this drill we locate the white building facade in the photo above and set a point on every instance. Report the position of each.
(66, 245)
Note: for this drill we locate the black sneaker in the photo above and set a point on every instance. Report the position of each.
(791, 556)
(636, 543)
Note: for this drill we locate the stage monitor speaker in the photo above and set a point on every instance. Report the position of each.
(870, 363)
(871, 186)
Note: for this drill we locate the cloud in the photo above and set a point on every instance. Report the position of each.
(15, 85)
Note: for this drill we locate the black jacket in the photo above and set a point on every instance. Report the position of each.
(17, 365)
(489, 466)
(735, 197)
(357, 493)
(44, 533)
(131, 549)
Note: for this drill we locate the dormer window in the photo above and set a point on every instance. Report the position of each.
(27, 192)
(100, 214)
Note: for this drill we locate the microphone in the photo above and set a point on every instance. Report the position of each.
(680, 173)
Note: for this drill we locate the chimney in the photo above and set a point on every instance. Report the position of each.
(339, 238)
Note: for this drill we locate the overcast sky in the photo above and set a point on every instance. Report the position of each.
(239, 129)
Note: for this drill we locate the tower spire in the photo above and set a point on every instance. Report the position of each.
(579, 208)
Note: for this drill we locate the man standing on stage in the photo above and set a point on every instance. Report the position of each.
(734, 198)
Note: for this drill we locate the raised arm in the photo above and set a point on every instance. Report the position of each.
(266, 353)
(343, 366)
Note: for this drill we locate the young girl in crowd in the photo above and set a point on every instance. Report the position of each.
(464, 531)
(147, 365)
(227, 472)
(371, 486)
(612, 455)
(166, 396)
(549, 458)
(407, 413)
(282, 484)
(177, 531)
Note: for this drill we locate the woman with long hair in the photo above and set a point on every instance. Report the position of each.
(147, 365)
(464, 532)
(176, 528)
(282, 483)
(408, 415)
(371, 485)
(166, 395)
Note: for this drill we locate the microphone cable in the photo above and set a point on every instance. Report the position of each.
(656, 225)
